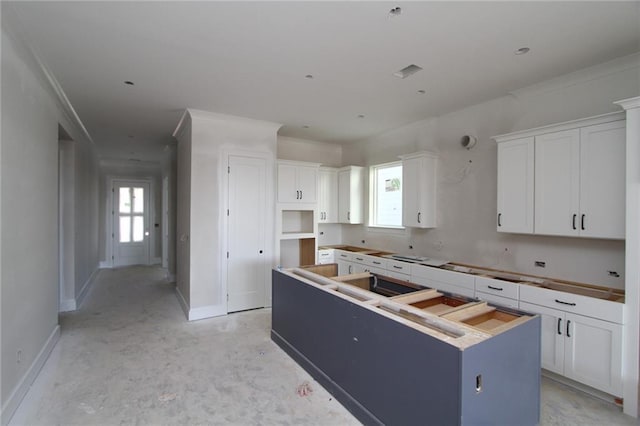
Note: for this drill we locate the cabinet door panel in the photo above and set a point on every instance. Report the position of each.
(328, 196)
(515, 186)
(602, 180)
(552, 336)
(410, 192)
(593, 353)
(344, 267)
(287, 190)
(308, 184)
(557, 183)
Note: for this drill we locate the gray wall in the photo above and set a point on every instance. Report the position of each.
(31, 113)
(467, 179)
(466, 198)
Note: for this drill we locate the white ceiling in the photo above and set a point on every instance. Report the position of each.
(250, 59)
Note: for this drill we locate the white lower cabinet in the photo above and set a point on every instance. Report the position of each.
(345, 267)
(326, 256)
(584, 349)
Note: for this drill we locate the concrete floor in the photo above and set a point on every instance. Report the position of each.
(128, 356)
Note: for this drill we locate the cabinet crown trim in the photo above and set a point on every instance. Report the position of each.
(298, 163)
(418, 155)
(629, 103)
(567, 125)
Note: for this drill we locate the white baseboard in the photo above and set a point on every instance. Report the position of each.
(202, 312)
(210, 311)
(86, 287)
(579, 386)
(23, 386)
(183, 303)
(106, 264)
(67, 305)
(156, 261)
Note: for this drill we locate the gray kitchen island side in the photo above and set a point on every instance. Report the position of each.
(386, 370)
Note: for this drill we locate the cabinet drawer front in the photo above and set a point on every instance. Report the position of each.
(449, 277)
(439, 285)
(575, 303)
(498, 300)
(401, 267)
(326, 256)
(397, 275)
(375, 261)
(497, 287)
(343, 255)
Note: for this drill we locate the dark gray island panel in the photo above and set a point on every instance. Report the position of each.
(386, 372)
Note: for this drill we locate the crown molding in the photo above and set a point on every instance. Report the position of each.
(12, 24)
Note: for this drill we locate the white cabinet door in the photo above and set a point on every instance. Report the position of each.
(287, 185)
(602, 180)
(552, 336)
(344, 267)
(593, 353)
(307, 178)
(515, 186)
(350, 195)
(419, 176)
(557, 183)
(328, 196)
(297, 183)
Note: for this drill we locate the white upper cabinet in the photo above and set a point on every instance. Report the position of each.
(578, 172)
(328, 195)
(297, 182)
(557, 180)
(515, 186)
(419, 176)
(351, 195)
(602, 180)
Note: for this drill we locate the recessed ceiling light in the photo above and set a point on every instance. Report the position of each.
(309, 77)
(130, 83)
(522, 51)
(407, 71)
(422, 92)
(360, 115)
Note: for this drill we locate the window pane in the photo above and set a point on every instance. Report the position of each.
(138, 200)
(138, 228)
(388, 196)
(125, 229)
(125, 200)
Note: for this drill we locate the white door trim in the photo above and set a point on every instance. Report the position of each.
(269, 219)
(109, 215)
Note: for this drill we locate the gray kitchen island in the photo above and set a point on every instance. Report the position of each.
(410, 359)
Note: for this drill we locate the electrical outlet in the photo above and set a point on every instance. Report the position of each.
(540, 264)
(19, 356)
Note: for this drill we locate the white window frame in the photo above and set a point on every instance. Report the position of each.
(373, 197)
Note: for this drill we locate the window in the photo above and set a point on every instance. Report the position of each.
(386, 195)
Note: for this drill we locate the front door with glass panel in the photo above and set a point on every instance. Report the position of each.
(130, 223)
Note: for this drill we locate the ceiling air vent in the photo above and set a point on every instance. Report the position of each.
(407, 71)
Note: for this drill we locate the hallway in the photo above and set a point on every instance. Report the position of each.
(128, 356)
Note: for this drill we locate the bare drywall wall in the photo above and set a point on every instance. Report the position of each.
(31, 114)
(297, 149)
(467, 179)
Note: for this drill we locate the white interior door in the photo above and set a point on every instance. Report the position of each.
(246, 233)
(130, 223)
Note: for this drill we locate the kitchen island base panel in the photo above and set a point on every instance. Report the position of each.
(385, 372)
